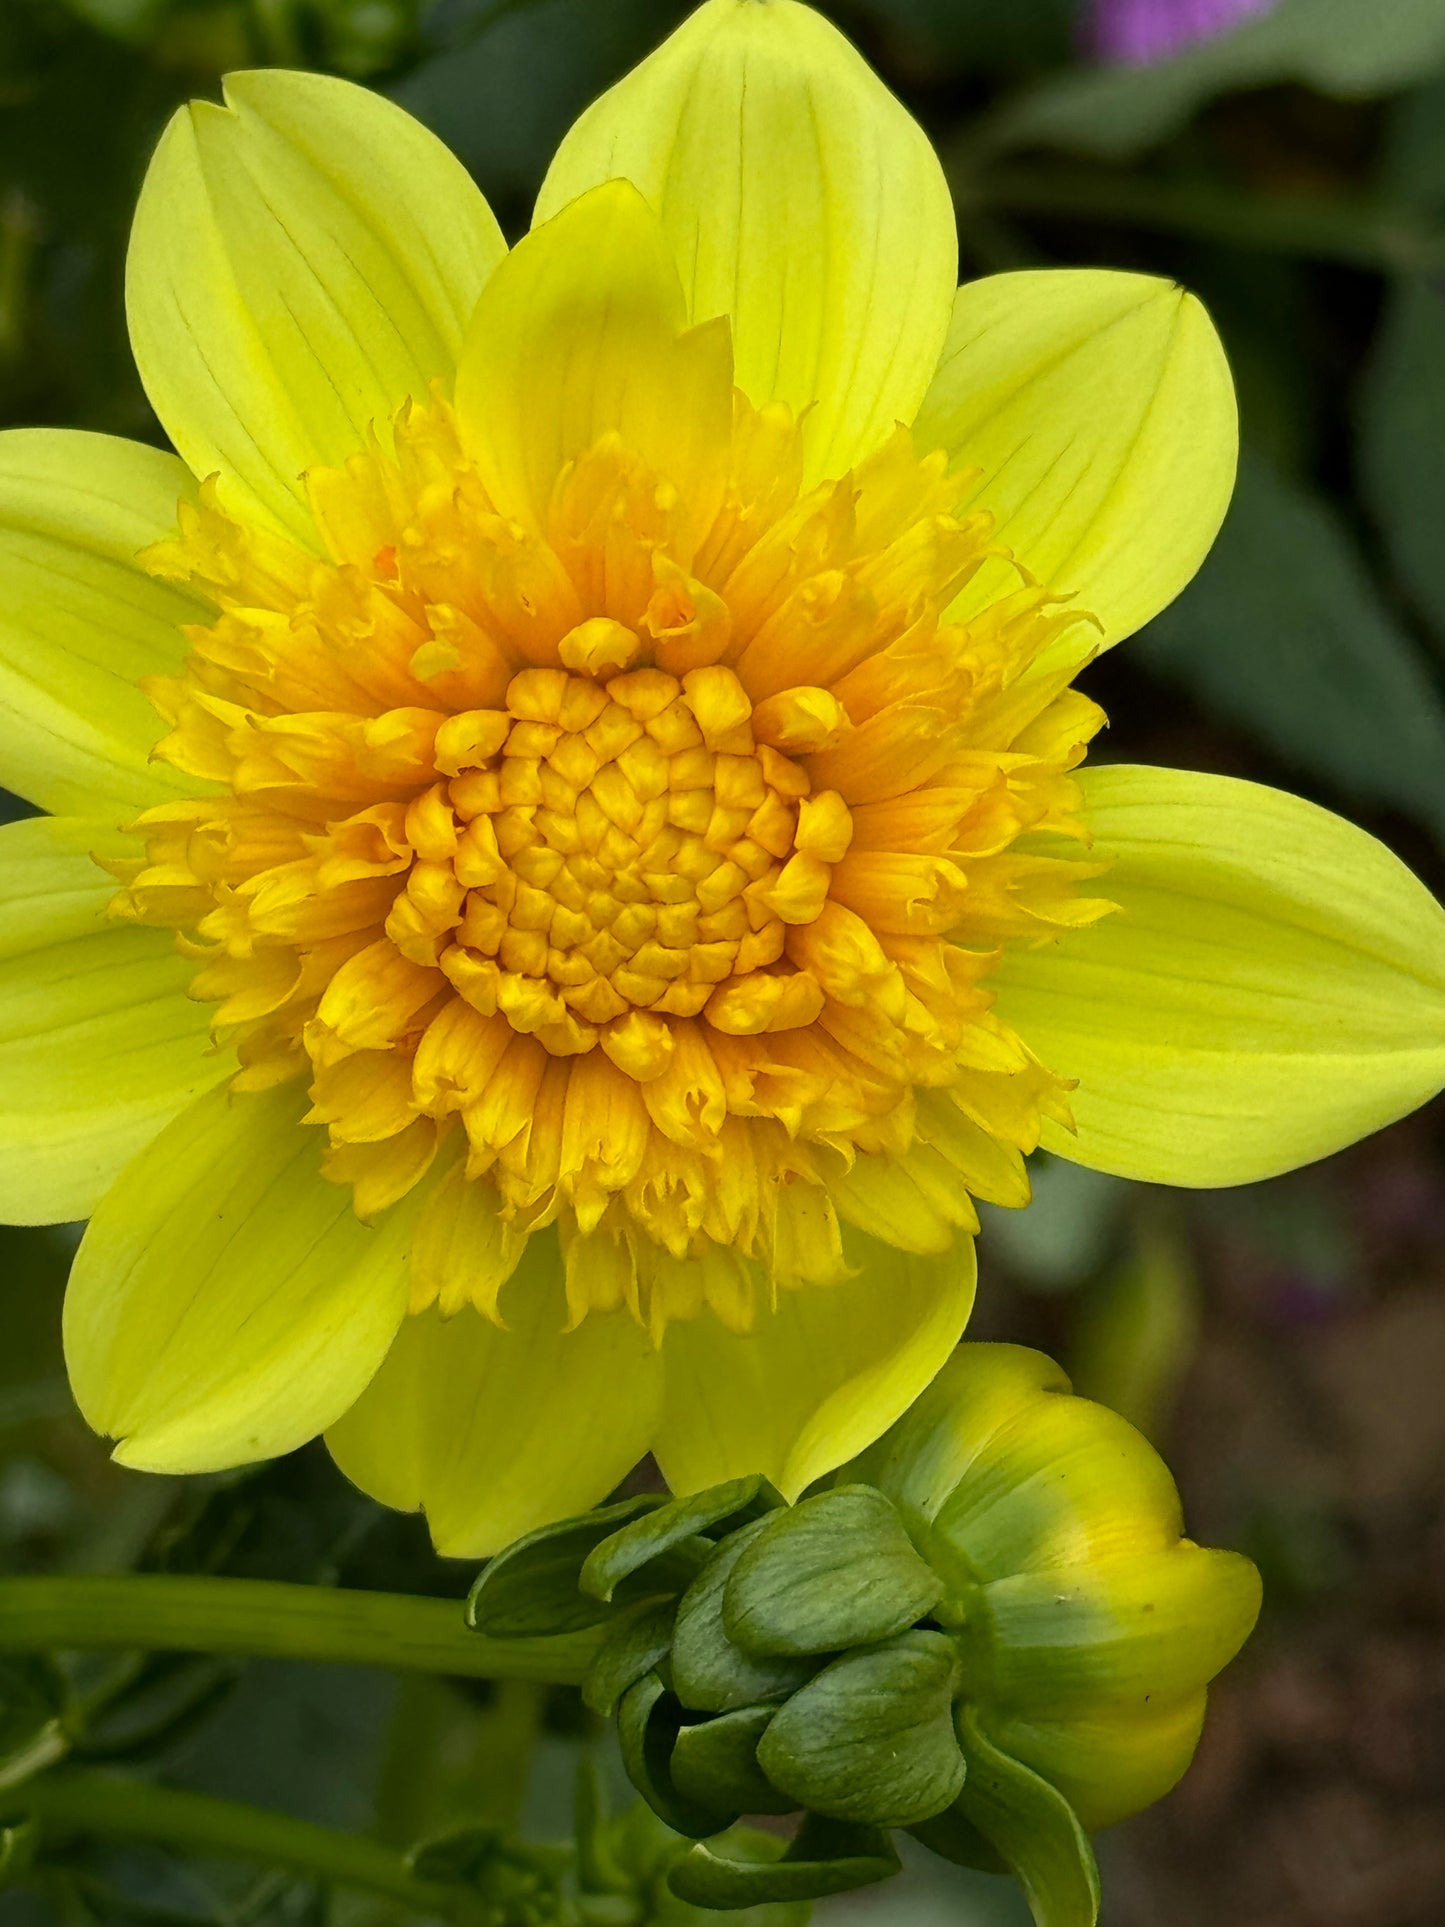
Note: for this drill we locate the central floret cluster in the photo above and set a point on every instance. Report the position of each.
(638, 845)
(644, 861)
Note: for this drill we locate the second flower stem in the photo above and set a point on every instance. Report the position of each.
(260, 1618)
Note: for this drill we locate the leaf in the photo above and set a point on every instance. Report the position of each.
(826, 1857)
(1402, 441)
(670, 1527)
(871, 1738)
(505, 96)
(834, 1571)
(1067, 1229)
(1338, 47)
(1284, 633)
(19, 1844)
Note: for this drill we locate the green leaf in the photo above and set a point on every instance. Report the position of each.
(34, 1718)
(19, 1843)
(710, 1672)
(464, 1855)
(1065, 1233)
(648, 1722)
(532, 1588)
(834, 1571)
(629, 1651)
(1283, 632)
(670, 1528)
(1402, 441)
(1034, 1829)
(716, 1763)
(826, 1857)
(871, 1738)
(1338, 47)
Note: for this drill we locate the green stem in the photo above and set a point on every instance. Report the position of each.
(1366, 234)
(81, 1801)
(263, 1619)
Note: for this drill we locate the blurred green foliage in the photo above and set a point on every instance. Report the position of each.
(1293, 172)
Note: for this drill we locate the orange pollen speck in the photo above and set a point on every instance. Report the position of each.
(639, 872)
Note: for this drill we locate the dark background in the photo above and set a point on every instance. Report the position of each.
(1285, 1345)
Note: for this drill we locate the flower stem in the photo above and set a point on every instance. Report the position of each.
(262, 1618)
(80, 1800)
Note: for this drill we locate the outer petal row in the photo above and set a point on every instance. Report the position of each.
(302, 261)
(99, 1045)
(799, 199)
(1098, 411)
(226, 1304)
(1272, 989)
(80, 622)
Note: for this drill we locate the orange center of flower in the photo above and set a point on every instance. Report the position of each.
(645, 866)
(609, 849)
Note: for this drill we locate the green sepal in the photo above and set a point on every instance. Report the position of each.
(648, 1722)
(825, 1857)
(1033, 1827)
(19, 1844)
(710, 1672)
(531, 1589)
(956, 1839)
(716, 1763)
(629, 1650)
(835, 1571)
(671, 1526)
(871, 1739)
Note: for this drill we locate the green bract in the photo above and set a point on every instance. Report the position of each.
(989, 1630)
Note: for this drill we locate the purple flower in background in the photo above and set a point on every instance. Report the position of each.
(1140, 31)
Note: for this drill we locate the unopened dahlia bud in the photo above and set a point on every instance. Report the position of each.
(990, 1631)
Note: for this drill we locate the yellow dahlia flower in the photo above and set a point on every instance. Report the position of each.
(594, 876)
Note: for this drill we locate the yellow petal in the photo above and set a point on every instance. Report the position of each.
(1107, 1761)
(799, 199)
(1099, 411)
(583, 332)
(816, 1380)
(1272, 988)
(1120, 1631)
(99, 1044)
(493, 1432)
(80, 623)
(226, 1304)
(302, 261)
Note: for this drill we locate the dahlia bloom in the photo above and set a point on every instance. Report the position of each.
(568, 869)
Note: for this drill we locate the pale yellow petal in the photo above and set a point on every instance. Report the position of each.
(799, 199)
(1272, 988)
(1099, 412)
(582, 332)
(816, 1380)
(492, 1432)
(226, 1304)
(303, 260)
(80, 622)
(99, 1044)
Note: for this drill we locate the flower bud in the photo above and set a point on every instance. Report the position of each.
(989, 1630)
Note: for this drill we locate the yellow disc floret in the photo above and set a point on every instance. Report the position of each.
(647, 865)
